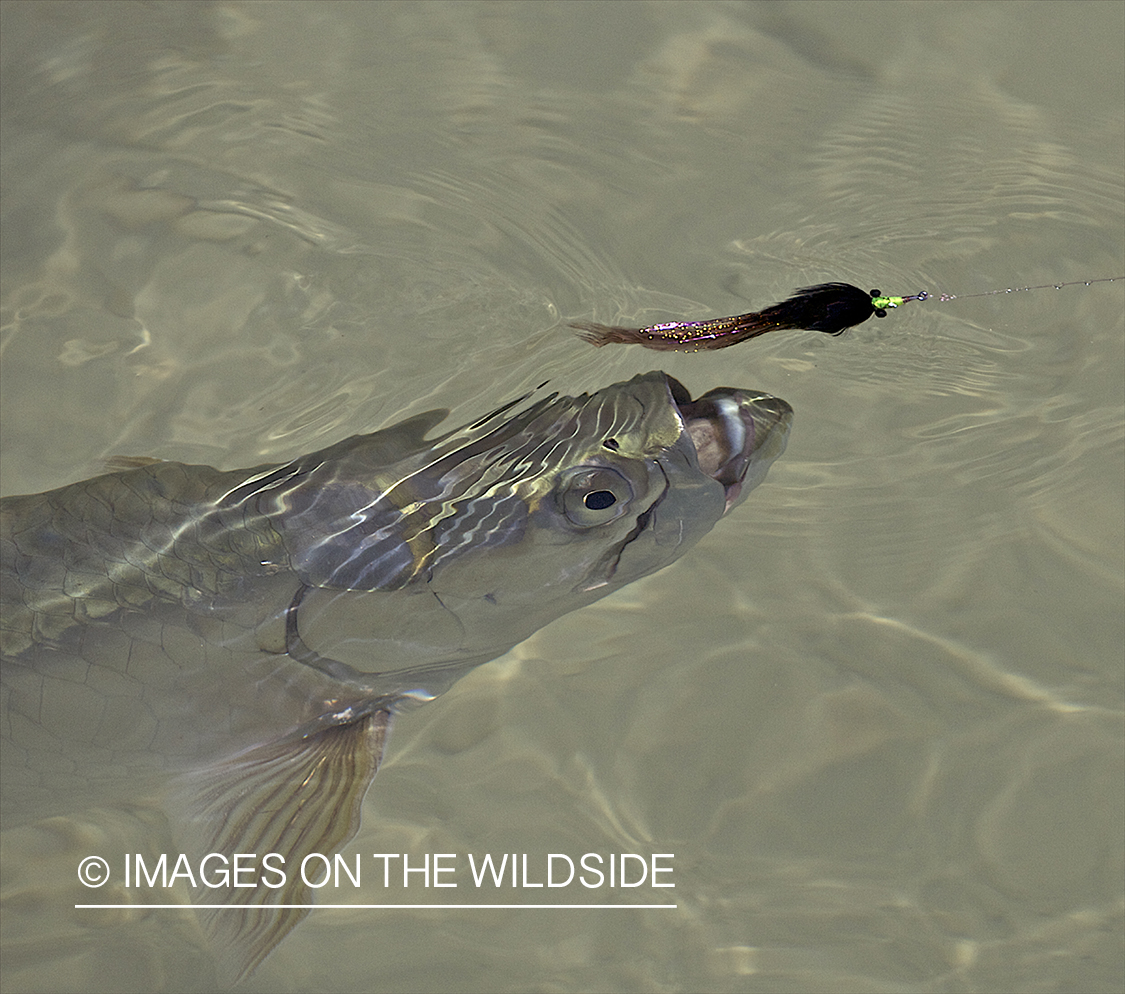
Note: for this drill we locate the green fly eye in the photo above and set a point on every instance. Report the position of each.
(593, 496)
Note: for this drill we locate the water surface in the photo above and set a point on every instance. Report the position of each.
(876, 714)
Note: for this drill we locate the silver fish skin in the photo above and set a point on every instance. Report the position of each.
(235, 643)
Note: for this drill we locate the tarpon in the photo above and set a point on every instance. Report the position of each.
(236, 642)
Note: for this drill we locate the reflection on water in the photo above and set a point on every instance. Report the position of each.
(877, 714)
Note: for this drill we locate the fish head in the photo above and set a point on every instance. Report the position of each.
(489, 532)
(629, 478)
(522, 516)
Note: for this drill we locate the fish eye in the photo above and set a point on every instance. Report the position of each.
(594, 495)
(611, 444)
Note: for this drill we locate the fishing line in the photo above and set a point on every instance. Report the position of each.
(883, 303)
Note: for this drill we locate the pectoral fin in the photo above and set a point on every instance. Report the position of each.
(290, 796)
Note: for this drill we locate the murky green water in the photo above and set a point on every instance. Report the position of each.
(877, 714)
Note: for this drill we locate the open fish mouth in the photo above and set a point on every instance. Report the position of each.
(734, 431)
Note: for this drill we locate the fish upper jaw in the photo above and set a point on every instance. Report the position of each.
(736, 433)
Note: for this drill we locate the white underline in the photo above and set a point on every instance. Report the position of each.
(310, 907)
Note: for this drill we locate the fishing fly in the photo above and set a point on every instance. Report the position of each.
(828, 307)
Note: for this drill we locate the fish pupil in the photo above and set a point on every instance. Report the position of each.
(599, 500)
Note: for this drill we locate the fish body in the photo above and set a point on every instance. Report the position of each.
(235, 643)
